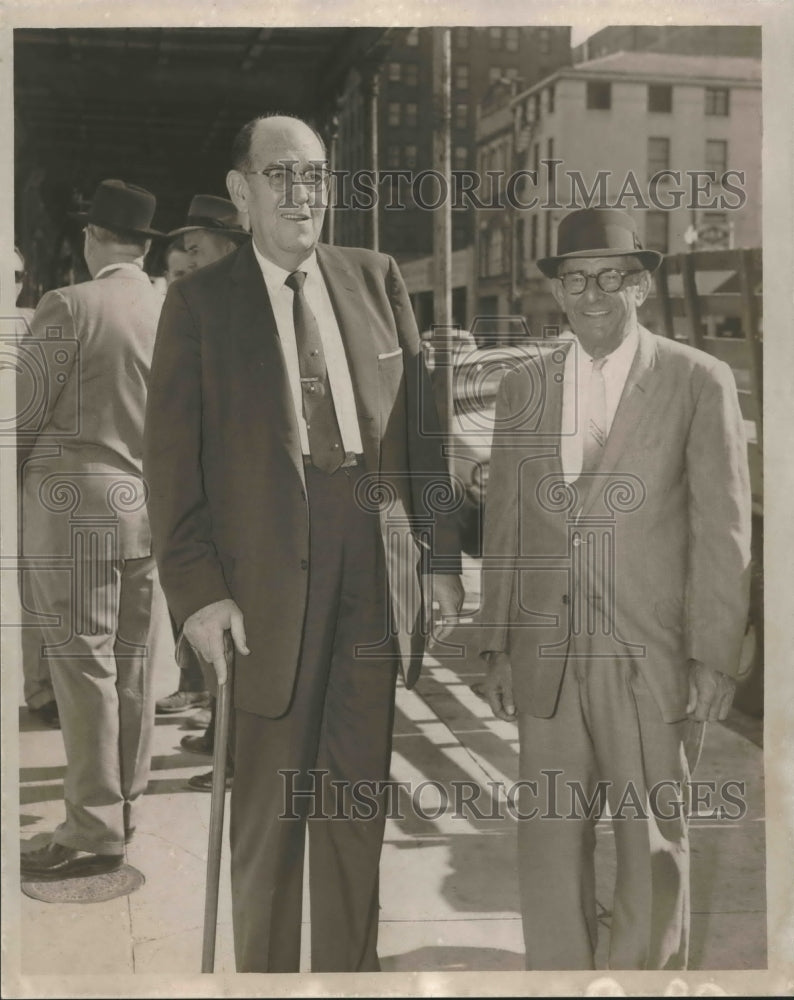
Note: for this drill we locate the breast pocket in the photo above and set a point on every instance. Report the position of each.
(391, 379)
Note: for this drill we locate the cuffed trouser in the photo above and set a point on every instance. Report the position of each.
(114, 615)
(607, 727)
(340, 721)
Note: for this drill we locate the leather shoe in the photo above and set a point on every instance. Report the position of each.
(197, 744)
(203, 782)
(198, 720)
(54, 862)
(181, 701)
(48, 714)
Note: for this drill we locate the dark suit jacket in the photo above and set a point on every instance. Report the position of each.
(665, 523)
(223, 460)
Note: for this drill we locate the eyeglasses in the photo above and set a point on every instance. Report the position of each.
(282, 179)
(608, 280)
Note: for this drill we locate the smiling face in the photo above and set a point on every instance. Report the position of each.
(602, 320)
(286, 225)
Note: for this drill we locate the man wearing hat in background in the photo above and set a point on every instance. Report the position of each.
(618, 536)
(85, 523)
(213, 229)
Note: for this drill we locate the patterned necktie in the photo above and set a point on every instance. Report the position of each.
(322, 427)
(595, 436)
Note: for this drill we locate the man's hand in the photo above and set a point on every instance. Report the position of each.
(498, 687)
(205, 628)
(710, 693)
(448, 593)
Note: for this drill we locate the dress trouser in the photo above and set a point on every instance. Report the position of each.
(607, 727)
(113, 615)
(36, 677)
(340, 722)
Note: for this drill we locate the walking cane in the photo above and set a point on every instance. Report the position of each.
(217, 804)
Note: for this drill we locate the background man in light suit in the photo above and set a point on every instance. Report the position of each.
(266, 524)
(617, 527)
(85, 521)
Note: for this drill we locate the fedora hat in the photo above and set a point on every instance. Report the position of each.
(216, 215)
(598, 232)
(122, 208)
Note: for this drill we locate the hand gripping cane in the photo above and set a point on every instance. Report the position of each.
(217, 803)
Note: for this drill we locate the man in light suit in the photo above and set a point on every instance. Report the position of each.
(292, 454)
(614, 597)
(86, 533)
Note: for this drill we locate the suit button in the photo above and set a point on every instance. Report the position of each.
(304, 564)
(565, 598)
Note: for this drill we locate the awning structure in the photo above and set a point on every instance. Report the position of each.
(159, 106)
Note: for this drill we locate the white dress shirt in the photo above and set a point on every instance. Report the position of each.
(576, 379)
(339, 381)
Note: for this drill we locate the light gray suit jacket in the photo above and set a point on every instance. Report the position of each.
(86, 370)
(648, 559)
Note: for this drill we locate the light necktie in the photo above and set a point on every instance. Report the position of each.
(595, 435)
(322, 427)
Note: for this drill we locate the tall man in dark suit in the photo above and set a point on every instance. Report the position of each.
(614, 597)
(86, 534)
(292, 451)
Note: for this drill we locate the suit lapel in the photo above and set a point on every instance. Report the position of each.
(256, 335)
(633, 406)
(360, 346)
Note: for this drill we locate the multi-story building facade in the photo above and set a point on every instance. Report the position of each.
(483, 59)
(674, 139)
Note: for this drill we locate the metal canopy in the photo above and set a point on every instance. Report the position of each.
(159, 106)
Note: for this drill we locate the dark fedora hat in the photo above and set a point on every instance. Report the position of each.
(598, 232)
(217, 215)
(121, 207)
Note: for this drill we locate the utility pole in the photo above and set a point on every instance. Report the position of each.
(442, 230)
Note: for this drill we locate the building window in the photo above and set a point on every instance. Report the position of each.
(392, 157)
(496, 242)
(494, 39)
(656, 231)
(717, 156)
(483, 252)
(460, 37)
(410, 157)
(412, 38)
(511, 39)
(394, 114)
(394, 72)
(411, 110)
(550, 99)
(533, 238)
(717, 100)
(460, 157)
(461, 77)
(461, 115)
(660, 98)
(544, 41)
(536, 158)
(658, 155)
(410, 74)
(494, 75)
(599, 95)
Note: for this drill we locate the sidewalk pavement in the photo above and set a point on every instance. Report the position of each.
(449, 899)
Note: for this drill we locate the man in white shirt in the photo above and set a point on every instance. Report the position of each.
(617, 550)
(86, 533)
(291, 452)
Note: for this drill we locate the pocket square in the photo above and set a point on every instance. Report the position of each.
(390, 354)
